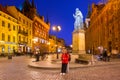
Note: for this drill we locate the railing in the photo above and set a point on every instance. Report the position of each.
(23, 32)
(22, 42)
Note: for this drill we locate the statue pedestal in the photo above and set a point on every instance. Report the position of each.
(79, 42)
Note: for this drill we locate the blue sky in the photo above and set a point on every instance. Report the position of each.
(60, 12)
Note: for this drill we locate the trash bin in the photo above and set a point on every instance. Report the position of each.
(9, 56)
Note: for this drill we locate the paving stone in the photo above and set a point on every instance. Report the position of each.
(17, 69)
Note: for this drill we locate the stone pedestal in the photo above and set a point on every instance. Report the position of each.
(78, 42)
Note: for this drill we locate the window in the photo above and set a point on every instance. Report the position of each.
(27, 22)
(9, 18)
(24, 39)
(19, 18)
(13, 38)
(27, 30)
(14, 27)
(19, 38)
(9, 38)
(3, 36)
(23, 21)
(8, 25)
(3, 23)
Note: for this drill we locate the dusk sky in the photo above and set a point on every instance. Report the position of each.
(60, 12)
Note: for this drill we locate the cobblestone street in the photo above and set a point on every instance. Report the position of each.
(17, 69)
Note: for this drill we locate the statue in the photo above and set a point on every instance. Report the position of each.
(78, 24)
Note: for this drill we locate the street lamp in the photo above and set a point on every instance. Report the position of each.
(57, 29)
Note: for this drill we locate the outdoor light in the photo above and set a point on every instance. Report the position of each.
(54, 28)
(48, 43)
(35, 40)
(57, 29)
(71, 46)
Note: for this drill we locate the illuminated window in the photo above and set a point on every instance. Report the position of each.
(8, 25)
(13, 38)
(9, 38)
(19, 18)
(3, 23)
(19, 38)
(27, 22)
(14, 27)
(3, 36)
(23, 21)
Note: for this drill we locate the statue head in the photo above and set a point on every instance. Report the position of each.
(77, 9)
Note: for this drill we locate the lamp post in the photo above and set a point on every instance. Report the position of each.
(57, 29)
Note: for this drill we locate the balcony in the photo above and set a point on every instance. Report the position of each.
(23, 33)
(22, 42)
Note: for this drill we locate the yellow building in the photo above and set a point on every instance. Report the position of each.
(55, 44)
(52, 44)
(104, 27)
(8, 32)
(24, 30)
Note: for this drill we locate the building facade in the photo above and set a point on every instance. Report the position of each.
(104, 27)
(55, 44)
(24, 33)
(8, 32)
(40, 34)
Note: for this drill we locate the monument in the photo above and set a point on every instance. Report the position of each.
(78, 35)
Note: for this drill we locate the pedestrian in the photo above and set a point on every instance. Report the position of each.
(37, 56)
(105, 55)
(65, 60)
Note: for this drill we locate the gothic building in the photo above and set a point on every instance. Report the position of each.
(40, 28)
(104, 28)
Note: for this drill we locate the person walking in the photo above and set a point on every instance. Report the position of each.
(37, 56)
(105, 55)
(65, 60)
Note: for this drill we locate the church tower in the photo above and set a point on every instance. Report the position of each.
(29, 9)
(33, 9)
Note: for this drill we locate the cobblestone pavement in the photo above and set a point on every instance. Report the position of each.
(17, 69)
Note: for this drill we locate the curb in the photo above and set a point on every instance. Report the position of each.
(75, 67)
